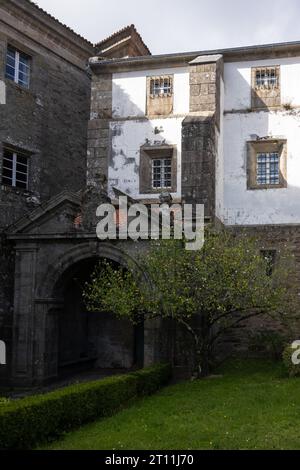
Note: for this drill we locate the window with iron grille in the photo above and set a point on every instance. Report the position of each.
(161, 86)
(266, 78)
(268, 168)
(162, 173)
(17, 67)
(14, 169)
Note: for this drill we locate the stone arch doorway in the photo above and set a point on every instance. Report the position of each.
(90, 340)
(45, 274)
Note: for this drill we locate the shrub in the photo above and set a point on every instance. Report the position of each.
(33, 420)
(293, 370)
(4, 401)
(270, 343)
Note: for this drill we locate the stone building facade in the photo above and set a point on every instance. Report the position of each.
(45, 88)
(218, 128)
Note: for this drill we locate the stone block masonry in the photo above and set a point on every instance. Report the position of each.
(48, 121)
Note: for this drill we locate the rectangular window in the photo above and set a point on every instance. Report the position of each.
(162, 173)
(14, 169)
(265, 90)
(268, 169)
(267, 164)
(160, 95)
(17, 67)
(266, 78)
(158, 169)
(160, 87)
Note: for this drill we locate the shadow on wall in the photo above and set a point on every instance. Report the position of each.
(127, 136)
(81, 340)
(245, 206)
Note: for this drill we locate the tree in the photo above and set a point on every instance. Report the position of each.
(208, 292)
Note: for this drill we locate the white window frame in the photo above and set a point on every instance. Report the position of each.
(14, 170)
(162, 167)
(17, 67)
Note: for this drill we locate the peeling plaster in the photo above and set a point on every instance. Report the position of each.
(125, 154)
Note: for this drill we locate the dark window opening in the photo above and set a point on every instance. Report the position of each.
(270, 258)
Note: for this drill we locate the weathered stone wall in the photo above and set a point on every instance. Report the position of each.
(198, 162)
(6, 295)
(99, 144)
(199, 133)
(283, 239)
(48, 120)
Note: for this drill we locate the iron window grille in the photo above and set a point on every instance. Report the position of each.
(268, 169)
(266, 78)
(15, 169)
(161, 87)
(162, 173)
(17, 67)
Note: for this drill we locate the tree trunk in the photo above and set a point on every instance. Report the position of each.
(202, 350)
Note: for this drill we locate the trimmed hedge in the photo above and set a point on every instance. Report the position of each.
(33, 420)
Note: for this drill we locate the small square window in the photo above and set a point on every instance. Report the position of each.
(267, 164)
(14, 169)
(162, 173)
(268, 169)
(160, 95)
(266, 87)
(161, 87)
(266, 78)
(158, 169)
(17, 67)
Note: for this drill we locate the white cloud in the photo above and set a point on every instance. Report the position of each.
(185, 25)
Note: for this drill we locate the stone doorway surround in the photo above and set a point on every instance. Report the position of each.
(47, 243)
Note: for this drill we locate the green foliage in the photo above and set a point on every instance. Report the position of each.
(4, 401)
(225, 284)
(268, 342)
(293, 370)
(32, 420)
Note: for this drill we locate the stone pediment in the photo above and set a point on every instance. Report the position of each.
(55, 217)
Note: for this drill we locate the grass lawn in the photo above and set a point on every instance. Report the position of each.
(252, 406)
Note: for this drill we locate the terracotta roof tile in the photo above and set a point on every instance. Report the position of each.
(130, 28)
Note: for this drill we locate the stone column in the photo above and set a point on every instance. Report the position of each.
(98, 147)
(23, 322)
(199, 133)
(46, 339)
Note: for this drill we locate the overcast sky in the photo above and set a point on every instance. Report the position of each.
(183, 25)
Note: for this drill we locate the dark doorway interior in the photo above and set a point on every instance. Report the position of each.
(93, 340)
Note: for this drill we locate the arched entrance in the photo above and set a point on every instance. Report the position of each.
(45, 338)
(87, 340)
